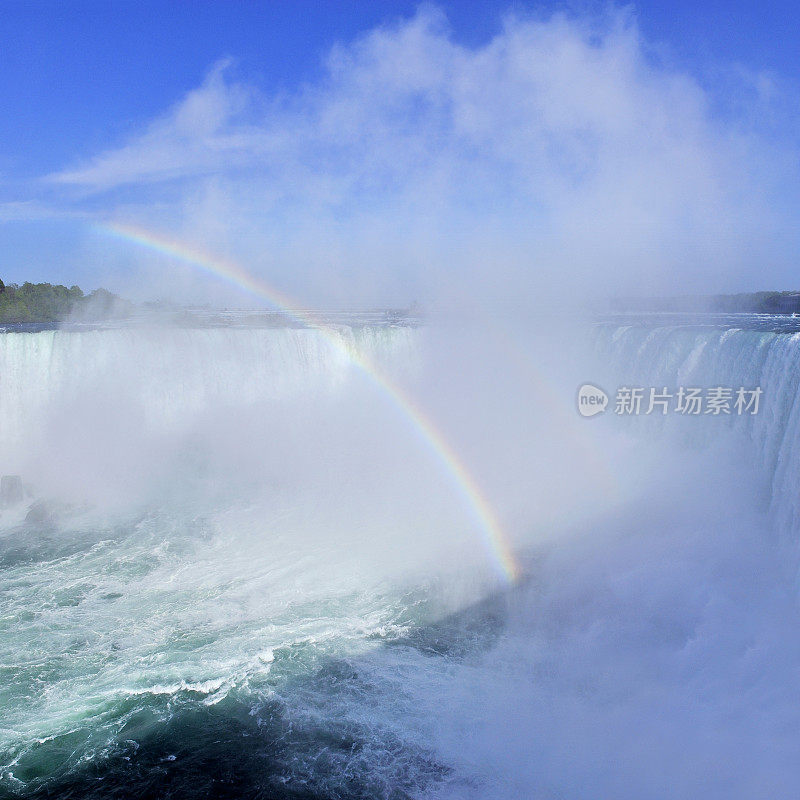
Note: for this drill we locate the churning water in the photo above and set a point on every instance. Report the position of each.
(232, 577)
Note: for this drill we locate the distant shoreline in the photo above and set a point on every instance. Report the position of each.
(244, 320)
(34, 307)
(773, 302)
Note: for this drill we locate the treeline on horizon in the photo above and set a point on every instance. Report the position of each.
(47, 303)
(751, 302)
(51, 303)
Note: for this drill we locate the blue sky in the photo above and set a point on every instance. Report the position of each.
(80, 74)
(83, 80)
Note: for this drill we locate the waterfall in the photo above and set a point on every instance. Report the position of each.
(680, 355)
(171, 374)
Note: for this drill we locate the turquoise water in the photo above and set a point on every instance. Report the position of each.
(249, 585)
(157, 649)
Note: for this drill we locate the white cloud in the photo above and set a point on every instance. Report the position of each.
(556, 157)
(197, 136)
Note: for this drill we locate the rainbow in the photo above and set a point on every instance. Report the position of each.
(495, 540)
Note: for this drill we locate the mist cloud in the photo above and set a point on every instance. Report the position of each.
(560, 157)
